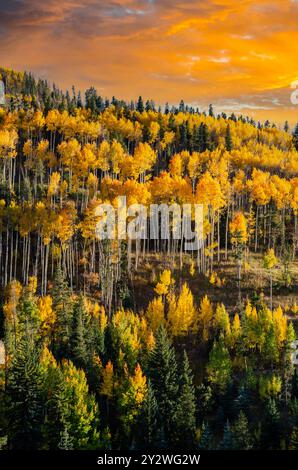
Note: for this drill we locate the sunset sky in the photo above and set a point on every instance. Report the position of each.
(241, 55)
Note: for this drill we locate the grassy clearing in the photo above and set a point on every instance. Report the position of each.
(255, 280)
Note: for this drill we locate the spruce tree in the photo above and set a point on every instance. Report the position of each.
(79, 334)
(227, 442)
(186, 410)
(271, 426)
(147, 421)
(205, 442)
(65, 442)
(243, 400)
(56, 406)
(162, 367)
(228, 139)
(242, 439)
(201, 143)
(140, 105)
(63, 307)
(293, 443)
(295, 137)
(24, 398)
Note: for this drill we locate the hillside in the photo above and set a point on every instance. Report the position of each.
(119, 342)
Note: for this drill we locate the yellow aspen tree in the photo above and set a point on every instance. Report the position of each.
(280, 325)
(192, 269)
(53, 186)
(164, 284)
(221, 320)
(138, 383)
(182, 314)
(155, 313)
(46, 313)
(236, 326)
(108, 381)
(205, 317)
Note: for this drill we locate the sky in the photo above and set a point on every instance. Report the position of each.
(239, 55)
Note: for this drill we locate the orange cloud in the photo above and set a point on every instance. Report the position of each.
(240, 53)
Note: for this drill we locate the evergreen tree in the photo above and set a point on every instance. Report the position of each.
(63, 307)
(205, 442)
(186, 410)
(295, 137)
(243, 400)
(147, 421)
(271, 426)
(163, 374)
(201, 143)
(66, 442)
(79, 100)
(293, 443)
(228, 139)
(182, 107)
(227, 442)
(140, 105)
(24, 398)
(79, 333)
(56, 406)
(241, 434)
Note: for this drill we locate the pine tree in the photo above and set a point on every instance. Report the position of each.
(202, 140)
(140, 105)
(295, 137)
(62, 305)
(228, 139)
(271, 426)
(56, 406)
(243, 400)
(241, 434)
(205, 442)
(24, 397)
(293, 443)
(185, 418)
(162, 367)
(147, 421)
(66, 442)
(227, 442)
(79, 334)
